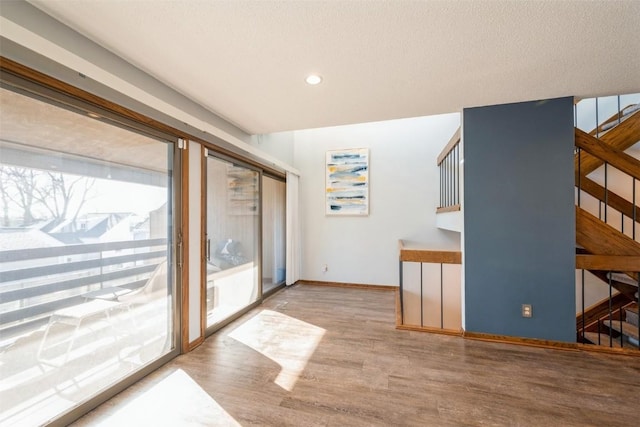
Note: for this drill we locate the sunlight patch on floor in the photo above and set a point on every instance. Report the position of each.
(287, 341)
(170, 402)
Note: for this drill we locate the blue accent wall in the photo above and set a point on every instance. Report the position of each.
(519, 219)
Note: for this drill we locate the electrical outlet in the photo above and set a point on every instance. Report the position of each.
(527, 311)
(325, 268)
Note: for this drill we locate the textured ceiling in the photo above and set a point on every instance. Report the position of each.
(247, 60)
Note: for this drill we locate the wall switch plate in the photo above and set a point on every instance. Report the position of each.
(527, 311)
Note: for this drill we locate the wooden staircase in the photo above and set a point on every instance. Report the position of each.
(607, 253)
(619, 332)
(621, 138)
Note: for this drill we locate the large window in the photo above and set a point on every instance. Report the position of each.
(87, 278)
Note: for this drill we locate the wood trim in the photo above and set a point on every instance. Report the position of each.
(24, 72)
(532, 342)
(437, 257)
(348, 285)
(429, 256)
(620, 137)
(609, 350)
(617, 158)
(455, 140)
(615, 201)
(184, 242)
(528, 342)
(195, 343)
(431, 330)
(453, 208)
(219, 150)
(608, 262)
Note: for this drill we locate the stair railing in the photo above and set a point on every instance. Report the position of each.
(611, 314)
(620, 164)
(449, 167)
(604, 146)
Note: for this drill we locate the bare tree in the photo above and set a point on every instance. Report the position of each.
(24, 182)
(60, 191)
(61, 195)
(4, 195)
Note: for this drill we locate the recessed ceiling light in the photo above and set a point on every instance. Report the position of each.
(94, 115)
(313, 79)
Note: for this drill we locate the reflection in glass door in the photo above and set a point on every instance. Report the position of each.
(273, 233)
(232, 238)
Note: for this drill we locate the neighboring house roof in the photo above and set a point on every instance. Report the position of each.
(142, 225)
(89, 226)
(25, 238)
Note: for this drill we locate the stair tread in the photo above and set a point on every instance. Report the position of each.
(623, 278)
(626, 328)
(633, 309)
(604, 339)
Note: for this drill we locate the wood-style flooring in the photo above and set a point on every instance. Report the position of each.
(327, 356)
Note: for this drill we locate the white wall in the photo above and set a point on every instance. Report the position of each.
(278, 145)
(403, 198)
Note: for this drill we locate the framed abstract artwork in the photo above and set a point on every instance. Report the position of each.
(347, 182)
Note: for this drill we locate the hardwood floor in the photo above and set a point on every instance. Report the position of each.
(325, 356)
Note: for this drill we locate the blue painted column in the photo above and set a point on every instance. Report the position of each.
(519, 219)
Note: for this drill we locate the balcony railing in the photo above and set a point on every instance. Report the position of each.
(34, 283)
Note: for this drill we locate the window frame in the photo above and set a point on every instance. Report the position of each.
(26, 81)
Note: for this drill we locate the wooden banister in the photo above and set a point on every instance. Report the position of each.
(455, 140)
(617, 202)
(452, 208)
(608, 262)
(621, 137)
(429, 256)
(617, 158)
(599, 238)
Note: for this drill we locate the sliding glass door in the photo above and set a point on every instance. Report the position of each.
(232, 240)
(87, 278)
(273, 233)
